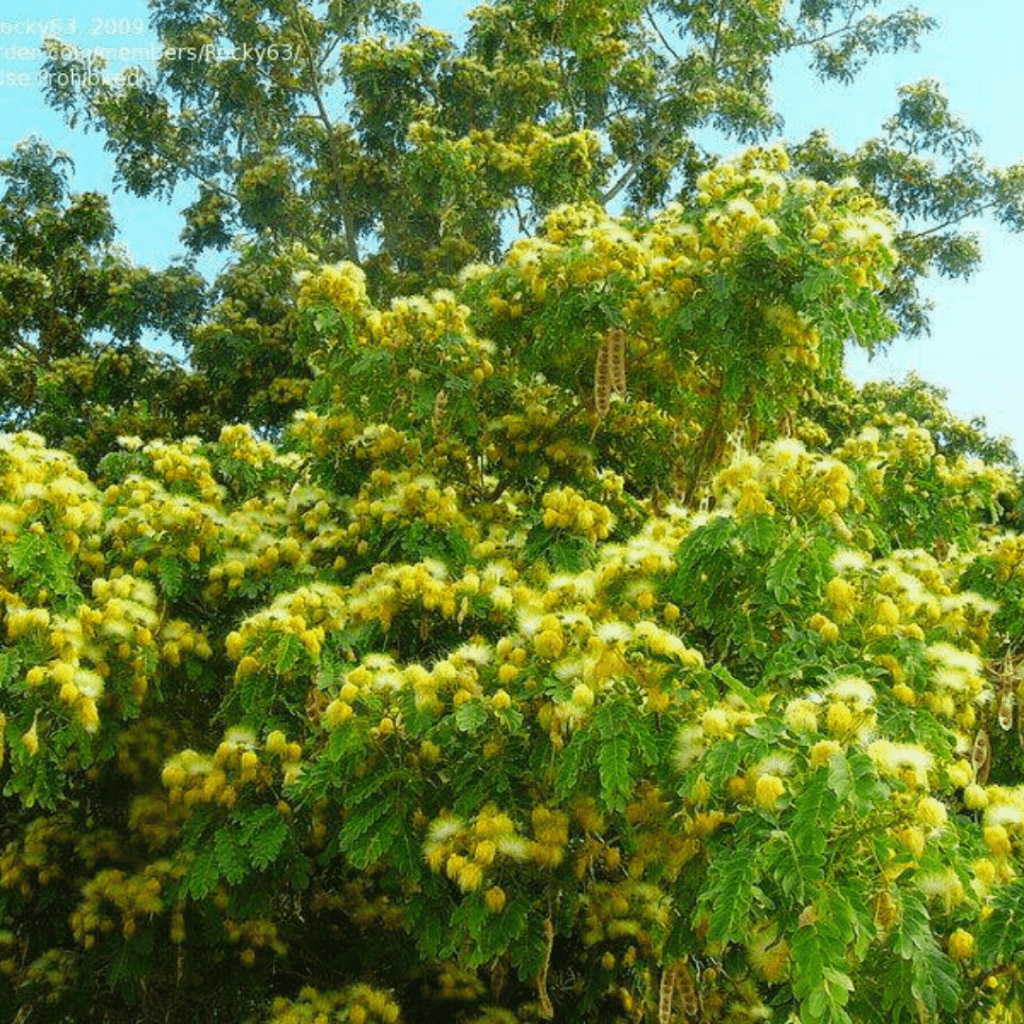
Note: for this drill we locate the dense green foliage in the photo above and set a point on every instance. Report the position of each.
(63, 285)
(563, 637)
(529, 679)
(352, 132)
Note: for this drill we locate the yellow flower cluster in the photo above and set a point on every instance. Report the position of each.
(306, 614)
(1007, 552)
(402, 498)
(468, 852)
(54, 971)
(44, 490)
(35, 860)
(567, 509)
(342, 285)
(239, 442)
(321, 434)
(359, 1004)
(551, 836)
(420, 321)
(666, 261)
(180, 463)
(256, 933)
(769, 953)
(799, 483)
(192, 778)
(381, 594)
(528, 149)
(1003, 820)
(799, 339)
(132, 896)
(624, 910)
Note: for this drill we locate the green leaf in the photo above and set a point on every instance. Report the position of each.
(796, 873)
(731, 892)
(10, 664)
(470, 716)
(813, 810)
(24, 554)
(263, 834)
(290, 653)
(202, 876)
(171, 573)
(783, 577)
(760, 533)
(721, 762)
(1001, 936)
(933, 978)
(361, 820)
(613, 768)
(852, 779)
(912, 932)
(529, 950)
(231, 860)
(378, 842)
(570, 763)
(820, 980)
(733, 685)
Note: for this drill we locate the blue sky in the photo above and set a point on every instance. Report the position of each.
(976, 349)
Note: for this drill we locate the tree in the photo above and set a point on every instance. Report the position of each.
(412, 158)
(497, 691)
(72, 314)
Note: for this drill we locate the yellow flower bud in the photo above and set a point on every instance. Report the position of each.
(931, 812)
(494, 899)
(960, 773)
(767, 790)
(582, 696)
(975, 797)
(336, 713)
(904, 694)
(31, 738)
(470, 876)
(961, 945)
(997, 840)
(839, 720)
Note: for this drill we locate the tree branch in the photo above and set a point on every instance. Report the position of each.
(348, 221)
(629, 175)
(951, 222)
(661, 36)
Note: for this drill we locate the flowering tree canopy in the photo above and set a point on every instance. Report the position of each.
(512, 614)
(313, 133)
(555, 663)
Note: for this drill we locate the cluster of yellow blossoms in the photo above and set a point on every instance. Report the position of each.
(567, 509)
(668, 260)
(359, 1004)
(132, 896)
(528, 149)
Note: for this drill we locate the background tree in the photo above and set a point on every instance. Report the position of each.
(73, 312)
(413, 158)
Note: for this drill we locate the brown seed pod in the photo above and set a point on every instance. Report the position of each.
(602, 381)
(547, 1011)
(609, 370)
(686, 989)
(668, 984)
(499, 973)
(981, 754)
(1004, 714)
(616, 341)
